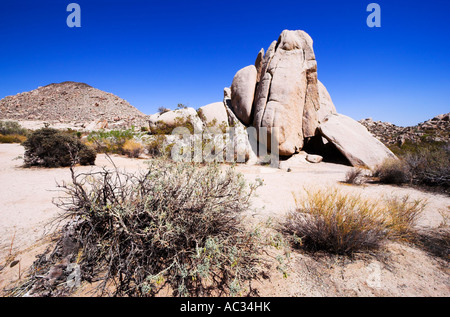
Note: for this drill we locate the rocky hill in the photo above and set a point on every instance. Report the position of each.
(70, 102)
(433, 130)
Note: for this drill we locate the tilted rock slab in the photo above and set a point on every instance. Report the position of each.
(354, 141)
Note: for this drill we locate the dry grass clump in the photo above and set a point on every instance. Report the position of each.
(12, 138)
(341, 223)
(132, 148)
(175, 227)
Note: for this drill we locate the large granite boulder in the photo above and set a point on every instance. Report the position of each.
(243, 93)
(214, 115)
(354, 141)
(176, 118)
(326, 104)
(287, 96)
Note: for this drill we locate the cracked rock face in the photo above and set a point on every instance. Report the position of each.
(287, 94)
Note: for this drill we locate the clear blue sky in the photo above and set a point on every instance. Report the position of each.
(161, 53)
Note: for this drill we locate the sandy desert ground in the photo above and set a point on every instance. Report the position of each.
(26, 209)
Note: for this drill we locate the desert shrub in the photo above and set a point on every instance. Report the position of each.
(12, 128)
(425, 164)
(110, 141)
(156, 147)
(12, 138)
(132, 148)
(354, 176)
(402, 217)
(430, 165)
(162, 128)
(340, 223)
(163, 109)
(175, 226)
(393, 171)
(51, 148)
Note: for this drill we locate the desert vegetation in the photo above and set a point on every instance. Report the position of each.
(336, 222)
(48, 147)
(176, 227)
(423, 164)
(12, 132)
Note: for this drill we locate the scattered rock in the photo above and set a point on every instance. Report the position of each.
(314, 158)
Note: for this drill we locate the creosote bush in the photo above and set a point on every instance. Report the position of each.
(341, 223)
(48, 147)
(175, 226)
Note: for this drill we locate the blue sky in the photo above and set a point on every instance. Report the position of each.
(161, 53)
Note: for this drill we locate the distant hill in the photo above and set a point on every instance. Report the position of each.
(433, 130)
(71, 102)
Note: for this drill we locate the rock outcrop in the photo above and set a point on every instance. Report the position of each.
(176, 118)
(214, 113)
(282, 91)
(433, 130)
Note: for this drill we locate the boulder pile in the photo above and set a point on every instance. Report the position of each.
(282, 91)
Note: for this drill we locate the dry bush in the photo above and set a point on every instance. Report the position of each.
(424, 164)
(174, 226)
(341, 223)
(393, 171)
(354, 176)
(430, 166)
(132, 148)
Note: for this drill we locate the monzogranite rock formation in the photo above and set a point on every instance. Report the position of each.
(288, 96)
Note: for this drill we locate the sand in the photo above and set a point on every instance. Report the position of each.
(26, 209)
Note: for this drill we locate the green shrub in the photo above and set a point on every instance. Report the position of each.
(12, 128)
(176, 226)
(110, 141)
(51, 148)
